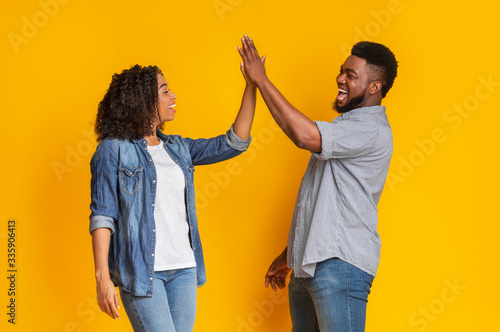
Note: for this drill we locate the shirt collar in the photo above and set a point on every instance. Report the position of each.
(362, 110)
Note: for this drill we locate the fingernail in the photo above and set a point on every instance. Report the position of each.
(245, 35)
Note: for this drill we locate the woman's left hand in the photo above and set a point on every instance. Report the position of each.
(107, 297)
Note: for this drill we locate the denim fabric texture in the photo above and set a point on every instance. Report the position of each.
(172, 306)
(334, 300)
(123, 191)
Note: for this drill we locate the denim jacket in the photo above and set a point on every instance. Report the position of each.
(123, 190)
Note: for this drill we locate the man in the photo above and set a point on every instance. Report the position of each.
(333, 245)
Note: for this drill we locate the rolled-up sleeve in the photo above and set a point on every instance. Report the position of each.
(235, 142)
(104, 186)
(206, 151)
(345, 139)
(98, 221)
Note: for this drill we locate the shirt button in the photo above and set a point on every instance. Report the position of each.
(150, 278)
(153, 204)
(150, 159)
(152, 254)
(154, 181)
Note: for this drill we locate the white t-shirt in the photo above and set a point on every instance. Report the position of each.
(173, 249)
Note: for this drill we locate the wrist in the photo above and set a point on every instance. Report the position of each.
(250, 86)
(263, 82)
(101, 275)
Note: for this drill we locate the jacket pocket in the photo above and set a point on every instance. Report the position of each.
(130, 179)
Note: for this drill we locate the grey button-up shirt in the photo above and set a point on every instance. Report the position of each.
(336, 210)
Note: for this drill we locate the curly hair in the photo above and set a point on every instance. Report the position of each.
(380, 59)
(130, 107)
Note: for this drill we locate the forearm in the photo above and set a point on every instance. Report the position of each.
(100, 246)
(107, 297)
(244, 119)
(298, 127)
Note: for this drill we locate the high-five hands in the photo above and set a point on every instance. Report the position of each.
(252, 66)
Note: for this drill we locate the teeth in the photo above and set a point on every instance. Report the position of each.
(342, 91)
(172, 106)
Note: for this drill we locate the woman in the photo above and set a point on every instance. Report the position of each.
(143, 222)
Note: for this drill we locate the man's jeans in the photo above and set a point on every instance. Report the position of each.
(333, 301)
(172, 307)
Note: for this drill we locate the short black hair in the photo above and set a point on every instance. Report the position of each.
(380, 57)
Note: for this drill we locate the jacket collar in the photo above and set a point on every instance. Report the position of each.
(159, 133)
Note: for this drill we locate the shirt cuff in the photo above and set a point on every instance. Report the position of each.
(98, 221)
(235, 142)
(326, 144)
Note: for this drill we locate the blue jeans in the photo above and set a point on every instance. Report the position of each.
(171, 308)
(333, 301)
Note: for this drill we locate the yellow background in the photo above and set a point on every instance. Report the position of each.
(438, 220)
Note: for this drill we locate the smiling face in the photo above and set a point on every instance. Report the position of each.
(356, 87)
(166, 101)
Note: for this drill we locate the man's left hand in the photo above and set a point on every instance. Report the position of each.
(253, 65)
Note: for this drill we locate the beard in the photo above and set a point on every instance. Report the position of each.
(352, 104)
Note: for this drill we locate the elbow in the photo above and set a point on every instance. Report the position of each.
(300, 142)
(308, 141)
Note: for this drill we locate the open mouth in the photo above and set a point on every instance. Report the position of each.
(171, 107)
(342, 94)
